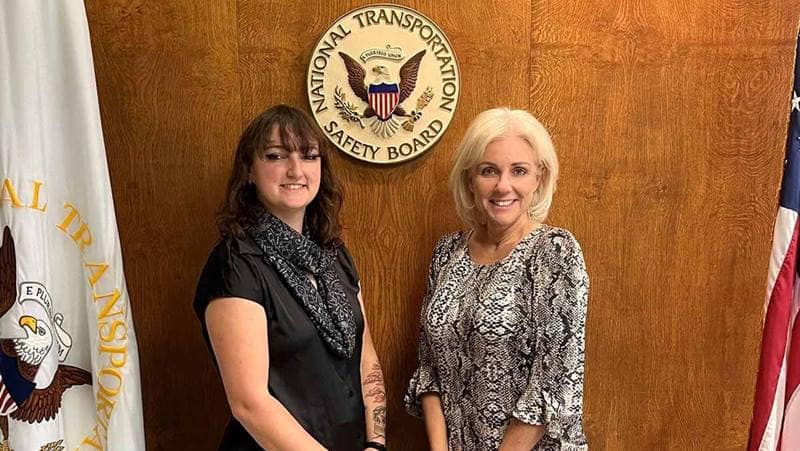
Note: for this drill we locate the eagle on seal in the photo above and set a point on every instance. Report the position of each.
(383, 97)
(22, 395)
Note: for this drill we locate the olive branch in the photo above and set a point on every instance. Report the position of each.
(53, 446)
(347, 110)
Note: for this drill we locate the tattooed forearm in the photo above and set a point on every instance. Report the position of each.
(376, 394)
(375, 402)
(379, 421)
(373, 385)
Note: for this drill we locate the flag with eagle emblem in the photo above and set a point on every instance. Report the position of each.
(69, 365)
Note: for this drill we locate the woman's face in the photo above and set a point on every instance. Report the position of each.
(504, 182)
(286, 179)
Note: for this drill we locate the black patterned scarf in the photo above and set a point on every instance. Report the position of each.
(293, 256)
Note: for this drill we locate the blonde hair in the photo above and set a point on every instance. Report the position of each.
(489, 126)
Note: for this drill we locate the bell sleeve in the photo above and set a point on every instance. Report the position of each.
(554, 394)
(425, 378)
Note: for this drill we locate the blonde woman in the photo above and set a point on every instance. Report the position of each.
(501, 347)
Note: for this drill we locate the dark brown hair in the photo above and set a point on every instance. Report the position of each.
(297, 132)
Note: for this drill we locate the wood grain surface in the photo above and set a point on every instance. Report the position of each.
(669, 118)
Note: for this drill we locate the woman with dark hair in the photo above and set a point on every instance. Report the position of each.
(279, 300)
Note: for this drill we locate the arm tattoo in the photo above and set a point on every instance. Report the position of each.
(373, 384)
(379, 418)
(375, 392)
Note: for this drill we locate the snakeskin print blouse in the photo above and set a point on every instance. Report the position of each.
(505, 340)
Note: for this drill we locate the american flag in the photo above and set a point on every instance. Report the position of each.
(776, 409)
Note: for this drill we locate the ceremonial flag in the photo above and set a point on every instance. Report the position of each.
(69, 366)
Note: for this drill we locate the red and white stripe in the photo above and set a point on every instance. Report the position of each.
(7, 404)
(776, 410)
(383, 103)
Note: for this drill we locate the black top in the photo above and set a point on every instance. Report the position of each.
(322, 391)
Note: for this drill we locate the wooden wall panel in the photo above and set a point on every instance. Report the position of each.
(669, 118)
(169, 98)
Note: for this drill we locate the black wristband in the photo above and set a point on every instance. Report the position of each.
(375, 445)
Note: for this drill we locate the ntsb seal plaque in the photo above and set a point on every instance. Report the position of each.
(383, 83)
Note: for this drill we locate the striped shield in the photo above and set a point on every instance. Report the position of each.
(14, 387)
(383, 98)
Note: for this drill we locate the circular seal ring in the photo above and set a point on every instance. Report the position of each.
(383, 83)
